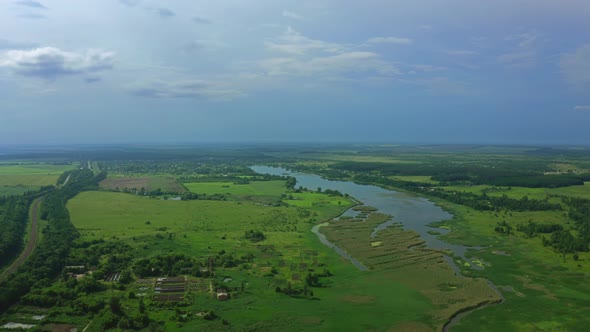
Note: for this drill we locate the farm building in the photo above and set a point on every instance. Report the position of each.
(222, 294)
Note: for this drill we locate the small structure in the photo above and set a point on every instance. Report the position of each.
(222, 294)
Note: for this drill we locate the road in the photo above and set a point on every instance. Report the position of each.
(30, 246)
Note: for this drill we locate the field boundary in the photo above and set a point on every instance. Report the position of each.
(31, 244)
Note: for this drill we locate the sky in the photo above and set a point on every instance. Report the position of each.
(386, 71)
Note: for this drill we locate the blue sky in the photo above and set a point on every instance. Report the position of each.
(456, 71)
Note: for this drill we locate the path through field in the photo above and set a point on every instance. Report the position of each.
(30, 245)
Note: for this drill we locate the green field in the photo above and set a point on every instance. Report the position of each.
(528, 274)
(18, 179)
(254, 188)
(519, 192)
(203, 228)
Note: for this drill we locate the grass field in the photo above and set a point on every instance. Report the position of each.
(254, 188)
(543, 292)
(18, 179)
(582, 191)
(369, 300)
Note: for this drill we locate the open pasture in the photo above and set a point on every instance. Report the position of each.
(16, 179)
(204, 228)
(253, 188)
(311, 200)
(33, 175)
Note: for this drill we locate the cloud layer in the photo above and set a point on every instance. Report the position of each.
(51, 63)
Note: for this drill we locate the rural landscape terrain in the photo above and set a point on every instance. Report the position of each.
(295, 237)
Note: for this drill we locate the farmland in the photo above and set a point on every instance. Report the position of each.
(145, 183)
(17, 178)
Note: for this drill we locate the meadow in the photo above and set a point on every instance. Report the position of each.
(582, 191)
(16, 179)
(542, 290)
(375, 300)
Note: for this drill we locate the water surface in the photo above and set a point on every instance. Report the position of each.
(414, 213)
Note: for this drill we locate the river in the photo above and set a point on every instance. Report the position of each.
(415, 213)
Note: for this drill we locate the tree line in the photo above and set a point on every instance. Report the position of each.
(450, 174)
(48, 259)
(14, 213)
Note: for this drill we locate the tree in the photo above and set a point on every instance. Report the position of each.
(115, 305)
(141, 306)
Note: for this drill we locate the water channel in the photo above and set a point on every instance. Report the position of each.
(415, 213)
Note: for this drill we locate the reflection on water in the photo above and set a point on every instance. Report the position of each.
(414, 213)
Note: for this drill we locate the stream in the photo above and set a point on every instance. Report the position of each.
(414, 213)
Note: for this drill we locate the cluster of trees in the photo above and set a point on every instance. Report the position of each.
(14, 212)
(295, 291)
(64, 291)
(579, 212)
(447, 173)
(103, 257)
(565, 243)
(313, 279)
(113, 316)
(168, 265)
(333, 192)
(254, 235)
(503, 228)
(48, 259)
(532, 228)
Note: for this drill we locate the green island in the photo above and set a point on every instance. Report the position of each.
(192, 238)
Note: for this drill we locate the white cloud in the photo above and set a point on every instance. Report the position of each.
(293, 42)
(344, 63)
(292, 15)
(389, 40)
(51, 62)
(324, 60)
(575, 67)
(582, 108)
(193, 89)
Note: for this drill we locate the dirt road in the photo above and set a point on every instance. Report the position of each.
(30, 246)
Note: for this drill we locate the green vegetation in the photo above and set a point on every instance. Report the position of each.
(13, 220)
(127, 255)
(402, 256)
(18, 178)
